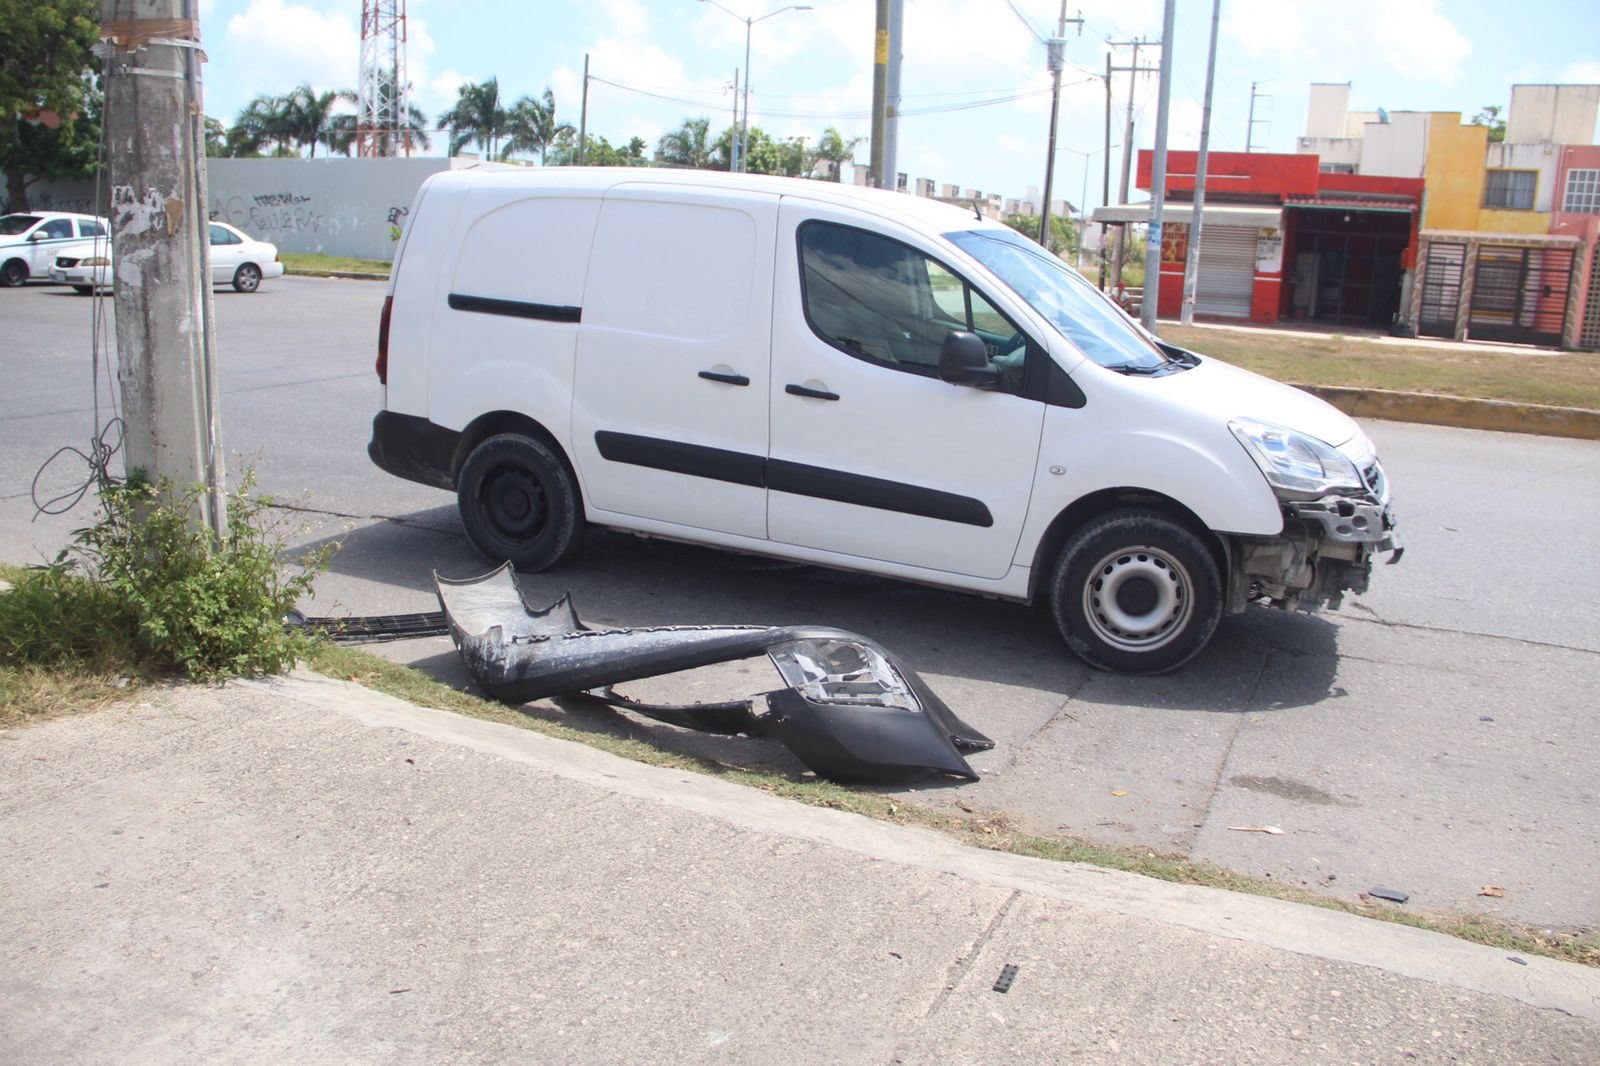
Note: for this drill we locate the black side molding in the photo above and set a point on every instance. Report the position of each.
(515, 308)
(778, 475)
(676, 457)
(862, 491)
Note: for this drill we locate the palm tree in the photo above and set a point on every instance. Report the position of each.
(311, 116)
(266, 120)
(687, 146)
(476, 117)
(836, 150)
(531, 125)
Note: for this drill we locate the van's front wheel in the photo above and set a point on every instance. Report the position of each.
(1135, 592)
(518, 502)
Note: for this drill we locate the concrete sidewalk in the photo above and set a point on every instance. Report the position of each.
(300, 870)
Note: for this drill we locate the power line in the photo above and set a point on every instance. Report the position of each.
(1024, 20)
(863, 114)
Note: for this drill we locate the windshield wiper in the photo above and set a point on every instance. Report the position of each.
(1135, 368)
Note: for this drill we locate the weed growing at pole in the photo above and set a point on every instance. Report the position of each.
(146, 591)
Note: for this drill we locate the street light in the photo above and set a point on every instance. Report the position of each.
(1083, 200)
(743, 163)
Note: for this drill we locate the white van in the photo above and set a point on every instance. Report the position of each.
(855, 378)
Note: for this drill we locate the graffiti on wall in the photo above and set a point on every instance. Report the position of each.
(394, 217)
(43, 201)
(271, 214)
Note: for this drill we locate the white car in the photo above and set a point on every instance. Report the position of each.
(236, 260)
(30, 241)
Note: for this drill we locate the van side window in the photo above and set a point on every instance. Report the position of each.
(886, 302)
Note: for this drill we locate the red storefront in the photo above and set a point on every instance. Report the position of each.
(1282, 241)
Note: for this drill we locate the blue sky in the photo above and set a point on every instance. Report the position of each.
(655, 62)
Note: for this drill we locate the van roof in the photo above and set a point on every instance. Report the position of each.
(938, 216)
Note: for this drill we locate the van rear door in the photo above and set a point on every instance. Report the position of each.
(669, 416)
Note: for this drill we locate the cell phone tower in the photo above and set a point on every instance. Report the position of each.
(382, 126)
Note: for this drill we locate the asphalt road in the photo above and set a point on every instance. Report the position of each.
(1435, 736)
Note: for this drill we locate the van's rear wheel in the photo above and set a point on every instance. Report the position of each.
(1135, 592)
(518, 501)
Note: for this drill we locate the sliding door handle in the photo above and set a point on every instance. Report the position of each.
(815, 394)
(726, 379)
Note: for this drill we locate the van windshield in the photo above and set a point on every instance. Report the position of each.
(1082, 314)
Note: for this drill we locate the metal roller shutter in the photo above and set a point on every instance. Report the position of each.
(1227, 273)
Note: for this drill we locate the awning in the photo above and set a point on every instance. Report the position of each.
(1393, 204)
(1257, 216)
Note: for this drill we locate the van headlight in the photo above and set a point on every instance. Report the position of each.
(1295, 464)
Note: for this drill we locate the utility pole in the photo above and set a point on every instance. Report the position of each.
(891, 117)
(1158, 177)
(1191, 262)
(1127, 146)
(155, 137)
(1055, 59)
(1250, 134)
(734, 142)
(1105, 192)
(583, 113)
(880, 90)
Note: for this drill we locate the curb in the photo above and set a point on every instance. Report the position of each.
(1498, 415)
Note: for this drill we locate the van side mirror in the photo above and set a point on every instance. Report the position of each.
(964, 360)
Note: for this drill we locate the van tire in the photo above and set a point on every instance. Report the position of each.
(518, 502)
(1135, 592)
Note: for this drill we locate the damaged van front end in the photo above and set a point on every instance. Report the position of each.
(1337, 517)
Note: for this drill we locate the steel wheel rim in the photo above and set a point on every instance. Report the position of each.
(513, 502)
(1138, 599)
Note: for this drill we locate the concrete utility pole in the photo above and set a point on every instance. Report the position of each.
(166, 361)
(1055, 59)
(1105, 191)
(1127, 146)
(1158, 177)
(880, 91)
(891, 109)
(583, 112)
(1191, 262)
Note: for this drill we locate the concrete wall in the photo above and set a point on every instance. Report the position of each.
(1455, 173)
(1399, 148)
(1561, 114)
(353, 207)
(350, 207)
(1327, 107)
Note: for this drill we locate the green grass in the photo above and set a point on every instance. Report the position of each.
(1564, 379)
(322, 266)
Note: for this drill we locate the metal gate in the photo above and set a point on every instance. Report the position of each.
(1520, 295)
(1441, 289)
(1227, 274)
(1589, 335)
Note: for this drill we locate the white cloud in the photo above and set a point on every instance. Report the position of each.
(272, 46)
(1583, 72)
